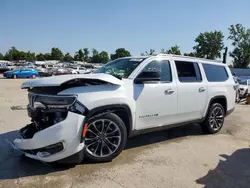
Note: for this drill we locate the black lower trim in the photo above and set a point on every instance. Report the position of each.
(164, 127)
(73, 159)
(230, 111)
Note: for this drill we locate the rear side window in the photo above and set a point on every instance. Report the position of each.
(215, 73)
(188, 71)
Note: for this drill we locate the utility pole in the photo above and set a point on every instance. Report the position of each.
(224, 60)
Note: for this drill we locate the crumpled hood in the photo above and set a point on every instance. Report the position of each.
(58, 80)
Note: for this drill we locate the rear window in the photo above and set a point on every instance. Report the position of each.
(215, 73)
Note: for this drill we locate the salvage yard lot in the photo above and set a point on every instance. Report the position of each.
(180, 157)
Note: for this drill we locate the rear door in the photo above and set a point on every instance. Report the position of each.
(192, 90)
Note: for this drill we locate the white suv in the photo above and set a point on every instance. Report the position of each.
(92, 115)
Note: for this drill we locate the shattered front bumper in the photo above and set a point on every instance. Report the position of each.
(54, 143)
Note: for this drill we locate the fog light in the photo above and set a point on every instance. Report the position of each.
(49, 150)
(43, 154)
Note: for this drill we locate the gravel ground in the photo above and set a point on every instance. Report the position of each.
(180, 157)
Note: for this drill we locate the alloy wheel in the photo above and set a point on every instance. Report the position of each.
(216, 118)
(103, 138)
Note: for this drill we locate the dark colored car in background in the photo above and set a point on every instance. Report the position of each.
(21, 73)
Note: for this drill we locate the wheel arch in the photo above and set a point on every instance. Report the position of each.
(221, 99)
(122, 110)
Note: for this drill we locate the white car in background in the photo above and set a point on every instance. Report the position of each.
(244, 87)
(79, 70)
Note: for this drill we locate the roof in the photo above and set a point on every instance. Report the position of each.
(189, 57)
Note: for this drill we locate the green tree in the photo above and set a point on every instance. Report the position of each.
(40, 57)
(85, 54)
(12, 54)
(79, 56)
(172, 50)
(148, 53)
(240, 37)
(95, 56)
(209, 44)
(103, 57)
(47, 56)
(56, 54)
(82, 55)
(191, 54)
(1, 56)
(29, 56)
(120, 52)
(67, 57)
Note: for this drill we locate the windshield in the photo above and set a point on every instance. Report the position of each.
(120, 68)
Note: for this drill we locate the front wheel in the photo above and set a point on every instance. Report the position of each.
(214, 120)
(105, 138)
(33, 76)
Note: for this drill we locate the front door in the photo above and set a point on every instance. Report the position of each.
(156, 102)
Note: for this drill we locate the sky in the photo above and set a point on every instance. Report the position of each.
(136, 25)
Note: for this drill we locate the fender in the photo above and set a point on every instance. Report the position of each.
(108, 109)
(211, 101)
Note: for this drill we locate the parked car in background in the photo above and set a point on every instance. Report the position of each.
(21, 73)
(79, 70)
(3, 68)
(244, 87)
(61, 71)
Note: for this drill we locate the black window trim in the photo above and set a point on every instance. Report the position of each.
(193, 62)
(199, 69)
(159, 82)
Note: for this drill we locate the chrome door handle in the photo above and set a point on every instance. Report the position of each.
(169, 92)
(202, 89)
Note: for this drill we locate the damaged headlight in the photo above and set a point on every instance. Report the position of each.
(47, 102)
(55, 101)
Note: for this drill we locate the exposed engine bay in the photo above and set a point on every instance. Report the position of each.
(48, 110)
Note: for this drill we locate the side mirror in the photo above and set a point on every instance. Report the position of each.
(147, 77)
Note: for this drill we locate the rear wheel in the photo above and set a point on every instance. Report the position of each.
(105, 138)
(214, 120)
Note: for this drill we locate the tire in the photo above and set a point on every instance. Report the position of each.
(33, 76)
(211, 124)
(14, 76)
(108, 141)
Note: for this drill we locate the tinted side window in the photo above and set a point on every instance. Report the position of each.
(215, 73)
(188, 71)
(163, 67)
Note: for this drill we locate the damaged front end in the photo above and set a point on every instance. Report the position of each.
(55, 129)
(57, 115)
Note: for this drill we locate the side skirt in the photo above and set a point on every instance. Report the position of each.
(163, 127)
